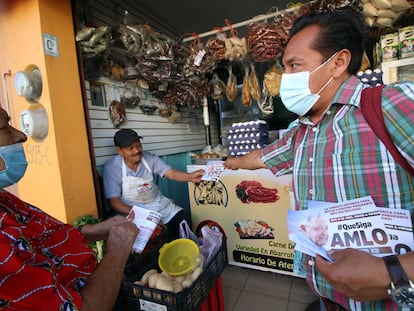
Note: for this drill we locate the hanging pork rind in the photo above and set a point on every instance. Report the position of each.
(255, 91)
(117, 113)
(272, 80)
(246, 96)
(216, 87)
(216, 47)
(231, 87)
(236, 48)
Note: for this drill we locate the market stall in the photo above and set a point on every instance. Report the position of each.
(250, 208)
(191, 92)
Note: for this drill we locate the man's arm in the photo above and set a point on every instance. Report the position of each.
(102, 287)
(121, 207)
(178, 175)
(250, 161)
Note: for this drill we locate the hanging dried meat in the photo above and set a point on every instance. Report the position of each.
(94, 41)
(272, 80)
(231, 87)
(255, 91)
(216, 47)
(201, 59)
(188, 92)
(117, 113)
(334, 5)
(236, 48)
(246, 96)
(264, 41)
(216, 87)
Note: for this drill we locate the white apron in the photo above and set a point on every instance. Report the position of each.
(144, 192)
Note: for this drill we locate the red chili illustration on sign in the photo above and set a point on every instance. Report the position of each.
(251, 191)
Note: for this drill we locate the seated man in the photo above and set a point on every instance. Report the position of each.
(128, 180)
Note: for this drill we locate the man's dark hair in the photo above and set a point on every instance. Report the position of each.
(338, 30)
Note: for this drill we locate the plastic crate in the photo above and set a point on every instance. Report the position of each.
(190, 299)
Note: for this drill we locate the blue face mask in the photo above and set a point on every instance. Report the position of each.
(295, 92)
(16, 164)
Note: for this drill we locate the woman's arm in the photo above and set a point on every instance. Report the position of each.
(102, 287)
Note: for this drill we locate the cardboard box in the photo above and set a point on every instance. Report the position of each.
(406, 40)
(390, 46)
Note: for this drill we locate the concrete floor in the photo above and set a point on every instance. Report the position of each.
(248, 289)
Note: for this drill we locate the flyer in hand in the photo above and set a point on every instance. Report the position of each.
(355, 224)
(146, 220)
(213, 171)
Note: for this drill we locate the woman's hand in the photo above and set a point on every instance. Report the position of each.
(100, 230)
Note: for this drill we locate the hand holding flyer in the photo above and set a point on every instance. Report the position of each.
(355, 224)
(213, 171)
(146, 220)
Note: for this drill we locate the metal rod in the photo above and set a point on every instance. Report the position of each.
(243, 23)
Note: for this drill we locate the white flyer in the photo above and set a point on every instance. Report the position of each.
(213, 171)
(146, 220)
(355, 224)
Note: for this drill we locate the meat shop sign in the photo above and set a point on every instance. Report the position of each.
(272, 257)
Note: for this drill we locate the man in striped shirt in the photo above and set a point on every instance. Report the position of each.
(335, 156)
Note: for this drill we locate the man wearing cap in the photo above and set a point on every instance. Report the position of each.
(128, 180)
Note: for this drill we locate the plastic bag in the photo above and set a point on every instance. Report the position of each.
(211, 242)
(185, 232)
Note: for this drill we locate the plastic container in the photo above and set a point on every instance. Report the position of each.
(190, 299)
(179, 257)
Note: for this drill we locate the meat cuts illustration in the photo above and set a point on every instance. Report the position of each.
(252, 229)
(251, 191)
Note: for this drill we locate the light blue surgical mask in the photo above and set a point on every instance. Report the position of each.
(295, 92)
(16, 164)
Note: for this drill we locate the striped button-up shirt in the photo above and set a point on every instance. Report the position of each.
(340, 158)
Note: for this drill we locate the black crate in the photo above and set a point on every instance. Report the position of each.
(190, 299)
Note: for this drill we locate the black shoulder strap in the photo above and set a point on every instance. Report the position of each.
(371, 109)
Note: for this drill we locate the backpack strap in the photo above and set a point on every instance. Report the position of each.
(371, 108)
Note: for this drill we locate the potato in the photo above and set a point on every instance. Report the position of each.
(196, 273)
(144, 278)
(177, 287)
(164, 284)
(187, 282)
(179, 279)
(153, 278)
(166, 275)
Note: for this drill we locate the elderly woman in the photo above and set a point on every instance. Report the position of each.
(44, 263)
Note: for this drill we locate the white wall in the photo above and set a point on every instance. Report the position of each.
(160, 136)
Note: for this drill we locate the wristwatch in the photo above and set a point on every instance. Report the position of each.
(402, 289)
